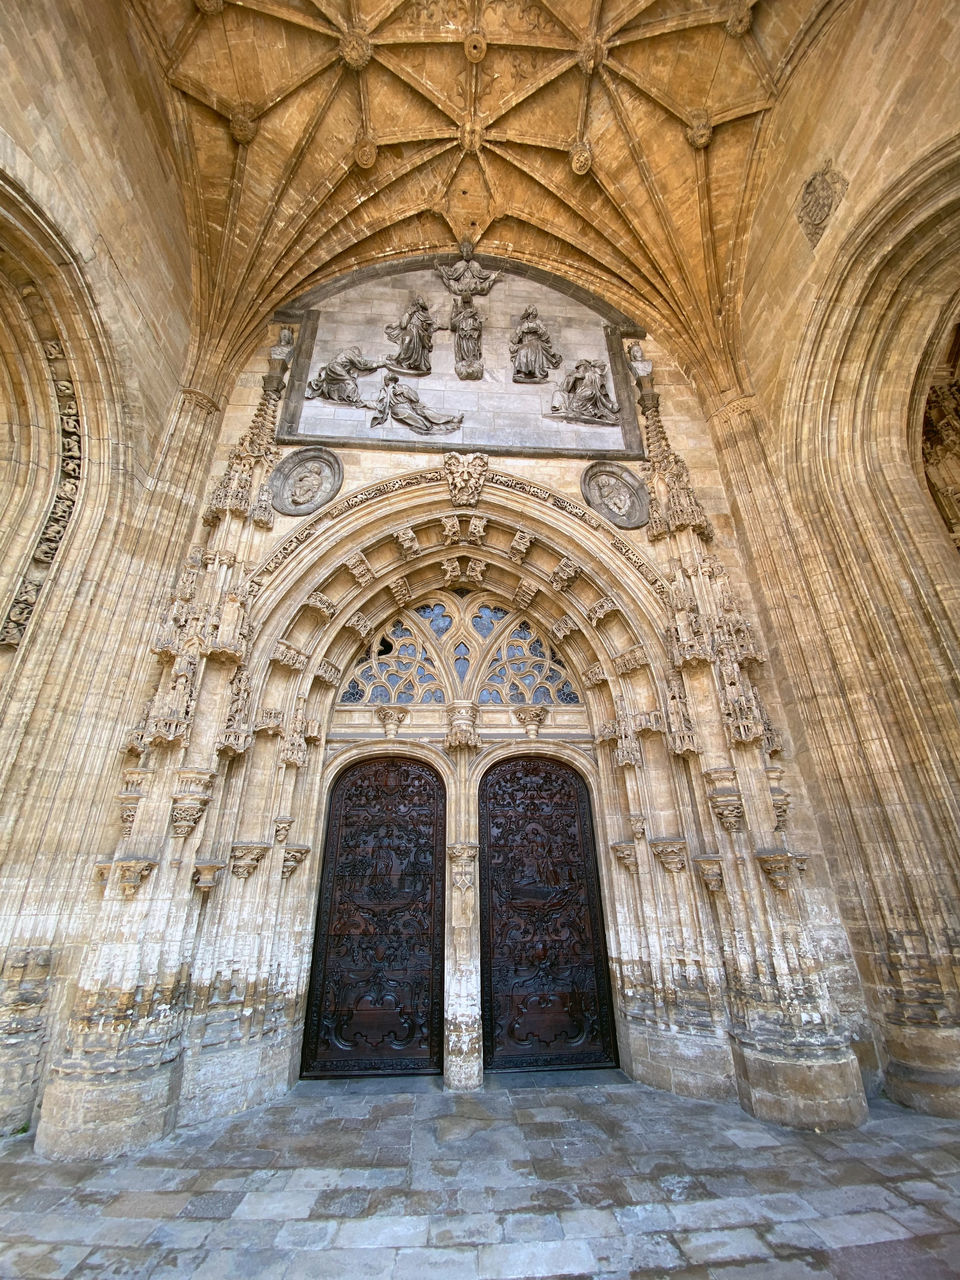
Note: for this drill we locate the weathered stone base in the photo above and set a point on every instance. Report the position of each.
(810, 1092)
(463, 1056)
(224, 1081)
(84, 1118)
(933, 1088)
(694, 1066)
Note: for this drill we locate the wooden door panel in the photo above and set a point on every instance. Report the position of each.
(376, 991)
(546, 987)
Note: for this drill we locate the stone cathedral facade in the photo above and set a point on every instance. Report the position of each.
(478, 574)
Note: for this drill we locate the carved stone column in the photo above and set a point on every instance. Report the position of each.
(463, 1038)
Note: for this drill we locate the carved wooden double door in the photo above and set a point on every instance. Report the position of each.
(376, 1001)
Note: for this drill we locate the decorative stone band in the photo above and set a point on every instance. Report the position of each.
(671, 854)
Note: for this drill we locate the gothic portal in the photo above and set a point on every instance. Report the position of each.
(478, 578)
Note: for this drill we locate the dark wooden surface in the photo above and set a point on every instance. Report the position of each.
(375, 1001)
(546, 987)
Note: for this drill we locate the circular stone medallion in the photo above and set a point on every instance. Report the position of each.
(617, 494)
(304, 481)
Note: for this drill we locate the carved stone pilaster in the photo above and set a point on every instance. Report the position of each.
(391, 718)
(711, 873)
(531, 718)
(131, 873)
(246, 856)
(293, 855)
(671, 854)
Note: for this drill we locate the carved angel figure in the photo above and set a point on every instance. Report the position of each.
(532, 349)
(466, 277)
(467, 326)
(402, 404)
(583, 394)
(414, 335)
(337, 380)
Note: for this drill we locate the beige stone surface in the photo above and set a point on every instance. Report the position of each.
(765, 672)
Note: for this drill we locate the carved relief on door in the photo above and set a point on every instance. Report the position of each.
(545, 981)
(375, 1002)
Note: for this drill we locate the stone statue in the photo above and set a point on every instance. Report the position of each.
(466, 277)
(402, 404)
(467, 326)
(414, 335)
(583, 394)
(337, 380)
(532, 350)
(639, 366)
(309, 483)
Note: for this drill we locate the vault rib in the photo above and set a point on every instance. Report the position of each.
(295, 18)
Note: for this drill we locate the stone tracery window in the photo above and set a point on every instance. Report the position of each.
(447, 649)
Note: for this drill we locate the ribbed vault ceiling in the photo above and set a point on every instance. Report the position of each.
(608, 140)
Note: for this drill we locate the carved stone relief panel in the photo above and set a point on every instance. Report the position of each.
(617, 494)
(304, 481)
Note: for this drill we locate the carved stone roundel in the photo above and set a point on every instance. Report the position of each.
(818, 199)
(617, 494)
(304, 481)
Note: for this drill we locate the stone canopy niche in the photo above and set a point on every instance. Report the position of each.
(413, 358)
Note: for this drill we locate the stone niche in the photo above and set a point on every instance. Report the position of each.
(499, 413)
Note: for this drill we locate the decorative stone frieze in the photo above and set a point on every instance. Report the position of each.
(359, 566)
(391, 718)
(531, 718)
(293, 855)
(131, 873)
(246, 856)
(671, 854)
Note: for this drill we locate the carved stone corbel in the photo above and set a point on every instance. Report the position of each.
(461, 726)
(711, 873)
(671, 854)
(391, 718)
(477, 530)
(725, 798)
(565, 574)
(359, 566)
(452, 572)
(638, 825)
(246, 856)
(450, 526)
(531, 718)
(361, 624)
(776, 865)
(206, 875)
(408, 542)
(190, 800)
(522, 541)
(593, 676)
(465, 473)
(281, 827)
(293, 855)
(625, 852)
(400, 590)
(286, 654)
(323, 604)
(631, 659)
(476, 570)
(524, 593)
(597, 612)
(327, 672)
(563, 627)
(131, 873)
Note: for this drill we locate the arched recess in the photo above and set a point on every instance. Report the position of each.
(61, 492)
(864, 590)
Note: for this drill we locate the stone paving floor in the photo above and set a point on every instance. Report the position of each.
(578, 1174)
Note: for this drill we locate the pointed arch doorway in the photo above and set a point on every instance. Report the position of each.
(545, 982)
(375, 1004)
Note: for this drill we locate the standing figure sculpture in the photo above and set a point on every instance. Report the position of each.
(402, 404)
(414, 336)
(467, 277)
(337, 379)
(467, 326)
(583, 394)
(532, 350)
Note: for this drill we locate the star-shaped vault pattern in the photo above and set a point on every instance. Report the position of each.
(610, 141)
